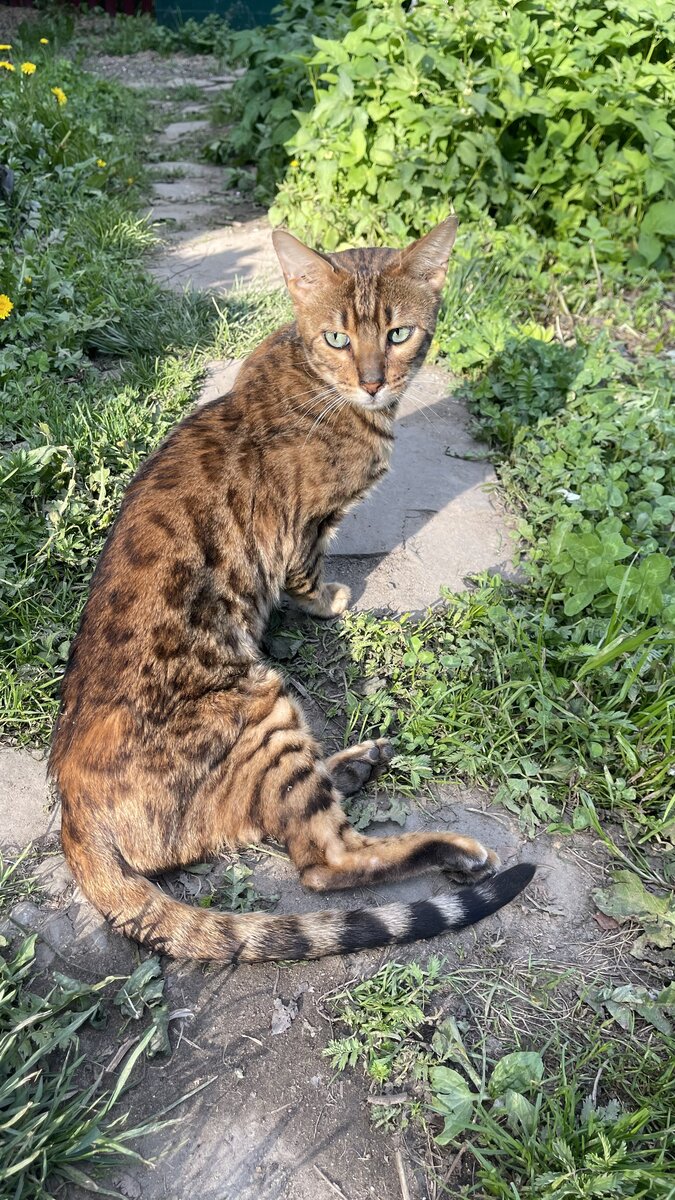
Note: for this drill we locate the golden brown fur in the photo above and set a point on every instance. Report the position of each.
(174, 738)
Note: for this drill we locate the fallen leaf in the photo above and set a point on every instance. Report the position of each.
(283, 1015)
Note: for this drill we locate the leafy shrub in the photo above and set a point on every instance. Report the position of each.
(128, 35)
(554, 115)
(262, 104)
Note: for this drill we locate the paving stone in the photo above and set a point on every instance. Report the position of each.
(217, 259)
(177, 130)
(24, 799)
(183, 190)
(27, 915)
(53, 875)
(58, 933)
(432, 521)
(183, 215)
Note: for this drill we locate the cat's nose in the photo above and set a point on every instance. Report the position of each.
(372, 386)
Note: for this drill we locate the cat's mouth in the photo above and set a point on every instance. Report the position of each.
(384, 398)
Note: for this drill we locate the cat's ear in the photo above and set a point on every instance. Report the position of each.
(303, 268)
(427, 258)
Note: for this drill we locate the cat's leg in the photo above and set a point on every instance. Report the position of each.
(330, 854)
(275, 783)
(336, 856)
(306, 587)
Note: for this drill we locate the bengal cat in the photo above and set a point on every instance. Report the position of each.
(175, 739)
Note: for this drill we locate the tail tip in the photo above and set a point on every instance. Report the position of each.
(520, 875)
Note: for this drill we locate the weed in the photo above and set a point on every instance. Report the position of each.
(587, 1115)
(52, 1125)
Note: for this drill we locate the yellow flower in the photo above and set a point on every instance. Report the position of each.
(6, 306)
(100, 162)
(294, 163)
(60, 95)
(6, 46)
(28, 68)
(7, 65)
(44, 41)
(28, 278)
(130, 180)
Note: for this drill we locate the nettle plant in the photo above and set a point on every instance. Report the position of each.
(555, 115)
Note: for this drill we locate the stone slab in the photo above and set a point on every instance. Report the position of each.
(175, 131)
(432, 521)
(217, 259)
(24, 799)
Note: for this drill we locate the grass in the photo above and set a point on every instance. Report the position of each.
(577, 1106)
(54, 1125)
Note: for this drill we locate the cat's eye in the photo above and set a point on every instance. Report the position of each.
(339, 341)
(396, 336)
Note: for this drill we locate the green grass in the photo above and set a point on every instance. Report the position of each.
(577, 1106)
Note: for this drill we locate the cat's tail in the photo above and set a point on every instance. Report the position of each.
(140, 910)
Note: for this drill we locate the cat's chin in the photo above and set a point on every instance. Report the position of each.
(385, 398)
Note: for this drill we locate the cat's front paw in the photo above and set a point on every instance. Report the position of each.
(337, 597)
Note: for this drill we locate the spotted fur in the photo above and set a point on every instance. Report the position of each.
(174, 738)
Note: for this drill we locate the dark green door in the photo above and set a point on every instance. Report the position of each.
(241, 14)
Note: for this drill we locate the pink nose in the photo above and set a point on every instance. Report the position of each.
(373, 386)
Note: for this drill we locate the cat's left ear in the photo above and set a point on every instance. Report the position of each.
(427, 258)
(303, 268)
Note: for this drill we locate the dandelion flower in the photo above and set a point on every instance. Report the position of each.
(7, 65)
(6, 306)
(6, 46)
(60, 95)
(100, 162)
(294, 163)
(44, 41)
(28, 68)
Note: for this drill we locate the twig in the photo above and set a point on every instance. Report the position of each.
(405, 1190)
(386, 1101)
(596, 268)
(116, 1060)
(456, 1161)
(329, 1182)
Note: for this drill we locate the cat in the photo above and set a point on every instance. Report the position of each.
(174, 738)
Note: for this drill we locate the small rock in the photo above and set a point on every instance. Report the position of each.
(128, 1186)
(58, 932)
(27, 916)
(53, 875)
(44, 956)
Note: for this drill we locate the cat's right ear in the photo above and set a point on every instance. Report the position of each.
(303, 268)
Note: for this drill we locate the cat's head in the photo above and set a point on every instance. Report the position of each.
(366, 317)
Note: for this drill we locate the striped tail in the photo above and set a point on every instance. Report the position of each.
(138, 908)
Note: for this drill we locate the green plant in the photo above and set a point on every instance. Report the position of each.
(52, 1122)
(515, 111)
(536, 1121)
(262, 104)
(131, 34)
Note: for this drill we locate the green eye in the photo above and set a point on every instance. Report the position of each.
(339, 341)
(396, 336)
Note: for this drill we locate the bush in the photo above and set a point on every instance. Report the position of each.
(262, 104)
(555, 115)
